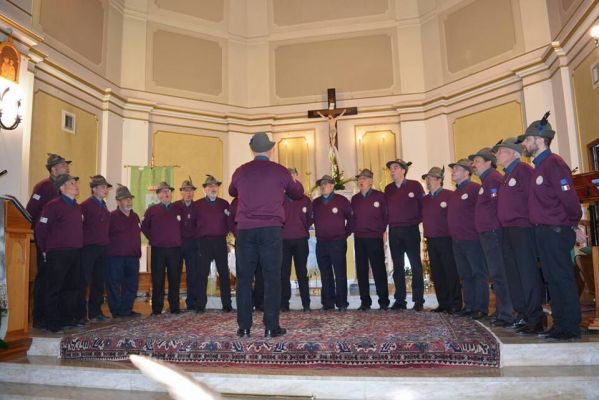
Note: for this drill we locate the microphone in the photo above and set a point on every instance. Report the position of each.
(3, 172)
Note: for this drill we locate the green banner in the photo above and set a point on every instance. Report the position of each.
(144, 181)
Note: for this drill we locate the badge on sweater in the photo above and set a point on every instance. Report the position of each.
(511, 182)
(564, 185)
(188, 216)
(82, 217)
(377, 204)
(493, 192)
(335, 210)
(443, 204)
(227, 212)
(464, 196)
(36, 196)
(304, 210)
(481, 190)
(178, 218)
(411, 195)
(539, 180)
(44, 220)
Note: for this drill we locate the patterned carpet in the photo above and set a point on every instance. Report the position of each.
(320, 338)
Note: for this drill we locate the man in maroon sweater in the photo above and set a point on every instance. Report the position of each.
(489, 231)
(333, 223)
(161, 225)
(59, 234)
(189, 246)
(96, 223)
(42, 193)
(467, 251)
(370, 218)
(519, 254)
(124, 250)
(261, 185)
(439, 244)
(298, 218)
(404, 199)
(554, 210)
(211, 231)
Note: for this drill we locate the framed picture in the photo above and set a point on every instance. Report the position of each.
(10, 61)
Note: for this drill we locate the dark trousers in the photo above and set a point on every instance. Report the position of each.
(208, 250)
(122, 280)
(371, 251)
(470, 260)
(38, 289)
(263, 246)
(93, 266)
(296, 249)
(491, 242)
(258, 289)
(523, 274)
(332, 263)
(62, 297)
(444, 273)
(165, 259)
(554, 244)
(402, 240)
(189, 254)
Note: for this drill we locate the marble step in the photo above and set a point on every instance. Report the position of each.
(569, 382)
(527, 354)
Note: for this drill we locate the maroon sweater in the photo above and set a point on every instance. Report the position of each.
(260, 185)
(41, 194)
(404, 203)
(298, 218)
(434, 213)
(552, 199)
(60, 226)
(213, 218)
(333, 220)
(162, 226)
(485, 212)
(370, 214)
(512, 201)
(125, 235)
(460, 216)
(189, 219)
(96, 222)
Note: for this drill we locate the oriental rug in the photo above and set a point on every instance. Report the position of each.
(318, 338)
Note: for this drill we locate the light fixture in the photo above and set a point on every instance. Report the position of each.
(595, 34)
(17, 117)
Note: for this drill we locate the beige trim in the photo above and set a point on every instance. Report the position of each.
(21, 28)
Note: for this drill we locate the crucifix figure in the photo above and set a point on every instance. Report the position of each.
(332, 114)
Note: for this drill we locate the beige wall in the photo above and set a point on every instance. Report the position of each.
(294, 12)
(485, 128)
(587, 105)
(186, 63)
(79, 25)
(195, 155)
(356, 64)
(377, 147)
(48, 137)
(212, 10)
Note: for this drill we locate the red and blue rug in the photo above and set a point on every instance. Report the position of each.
(319, 338)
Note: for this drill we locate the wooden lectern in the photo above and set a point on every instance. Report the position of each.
(15, 237)
(587, 188)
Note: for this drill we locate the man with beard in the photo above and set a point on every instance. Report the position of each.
(554, 210)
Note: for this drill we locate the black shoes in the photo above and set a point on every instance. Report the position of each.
(200, 310)
(177, 311)
(99, 318)
(384, 307)
(398, 305)
(438, 310)
(364, 307)
(556, 335)
(418, 307)
(464, 313)
(343, 308)
(530, 329)
(285, 308)
(243, 333)
(227, 308)
(500, 323)
(478, 315)
(306, 309)
(328, 308)
(519, 324)
(269, 334)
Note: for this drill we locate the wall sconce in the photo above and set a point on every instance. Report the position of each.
(595, 34)
(3, 107)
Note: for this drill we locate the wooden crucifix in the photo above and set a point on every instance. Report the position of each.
(332, 113)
